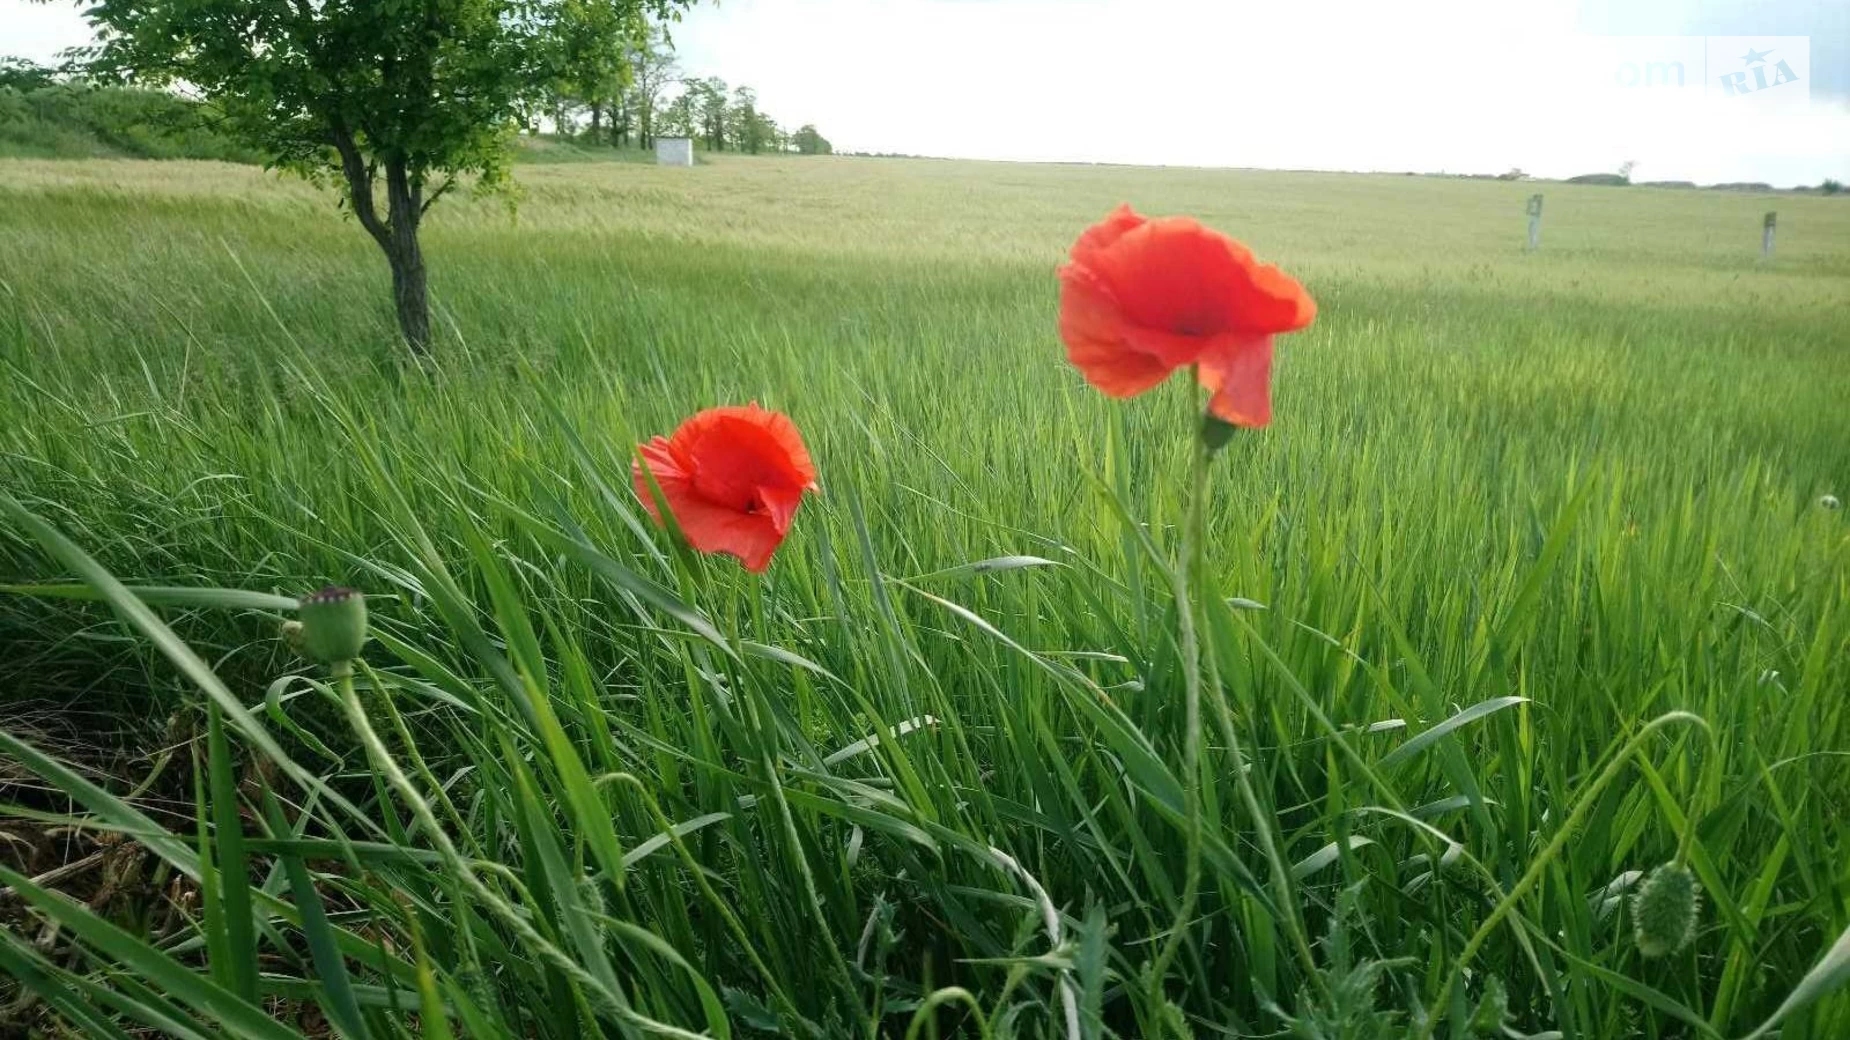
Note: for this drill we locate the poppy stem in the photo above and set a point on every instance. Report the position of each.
(1280, 875)
(1191, 586)
(1184, 579)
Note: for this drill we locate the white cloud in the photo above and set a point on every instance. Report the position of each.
(1455, 85)
(39, 31)
(1324, 84)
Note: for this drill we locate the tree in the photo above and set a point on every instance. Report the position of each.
(25, 76)
(588, 56)
(710, 107)
(678, 117)
(419, 93)
(652, 68)
(744, 125)
(622, 118)
(809, 142)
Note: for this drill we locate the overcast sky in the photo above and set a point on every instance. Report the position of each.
(1555, 87)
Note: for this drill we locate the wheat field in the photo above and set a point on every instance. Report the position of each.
(1532, 586)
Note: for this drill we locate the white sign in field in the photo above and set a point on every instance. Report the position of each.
(674, 151)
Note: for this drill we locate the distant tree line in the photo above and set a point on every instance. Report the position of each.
(632, 95)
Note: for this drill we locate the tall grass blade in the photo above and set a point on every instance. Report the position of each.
(1427, 738)
(232, 864)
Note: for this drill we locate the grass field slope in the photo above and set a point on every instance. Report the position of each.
(1531, 587)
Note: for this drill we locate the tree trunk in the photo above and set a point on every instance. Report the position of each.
(406, 204)
(396, 237)
(597, 121)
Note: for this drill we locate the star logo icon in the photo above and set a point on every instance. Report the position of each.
(1754, 57)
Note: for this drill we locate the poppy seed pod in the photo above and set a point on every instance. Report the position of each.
(1664, 910)
(333, 625)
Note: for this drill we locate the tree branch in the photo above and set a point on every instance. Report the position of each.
(359, 185)
(442, 190)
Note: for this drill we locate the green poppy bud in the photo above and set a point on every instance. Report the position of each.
(333, 625)
(1216, 432)
(1664, 910)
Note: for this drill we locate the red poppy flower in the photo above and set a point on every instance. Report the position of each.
(733, 477)
(1144, 297)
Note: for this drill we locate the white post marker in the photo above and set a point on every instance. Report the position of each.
(1766, 235)
(1535, 221)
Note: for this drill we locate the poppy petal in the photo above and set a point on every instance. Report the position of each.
(707, 526)
(780, 504)
(732, 477)
(1107, 231)
(756, 424)
(1167, 275)
(1173, 275)
(660, 456)
(711, 528)
(1095, 333)
(1237, 372)
(1279, 302)
(784, 432)
(1172, 349)
(1144, 297)
(735, 451)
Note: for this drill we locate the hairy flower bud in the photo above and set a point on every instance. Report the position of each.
(1664, 910)
(333, 625)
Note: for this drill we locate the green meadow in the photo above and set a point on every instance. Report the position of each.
(1530, 588)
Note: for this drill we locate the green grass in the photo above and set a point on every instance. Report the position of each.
(1578, 488)
(83, 121)
(552, 150)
